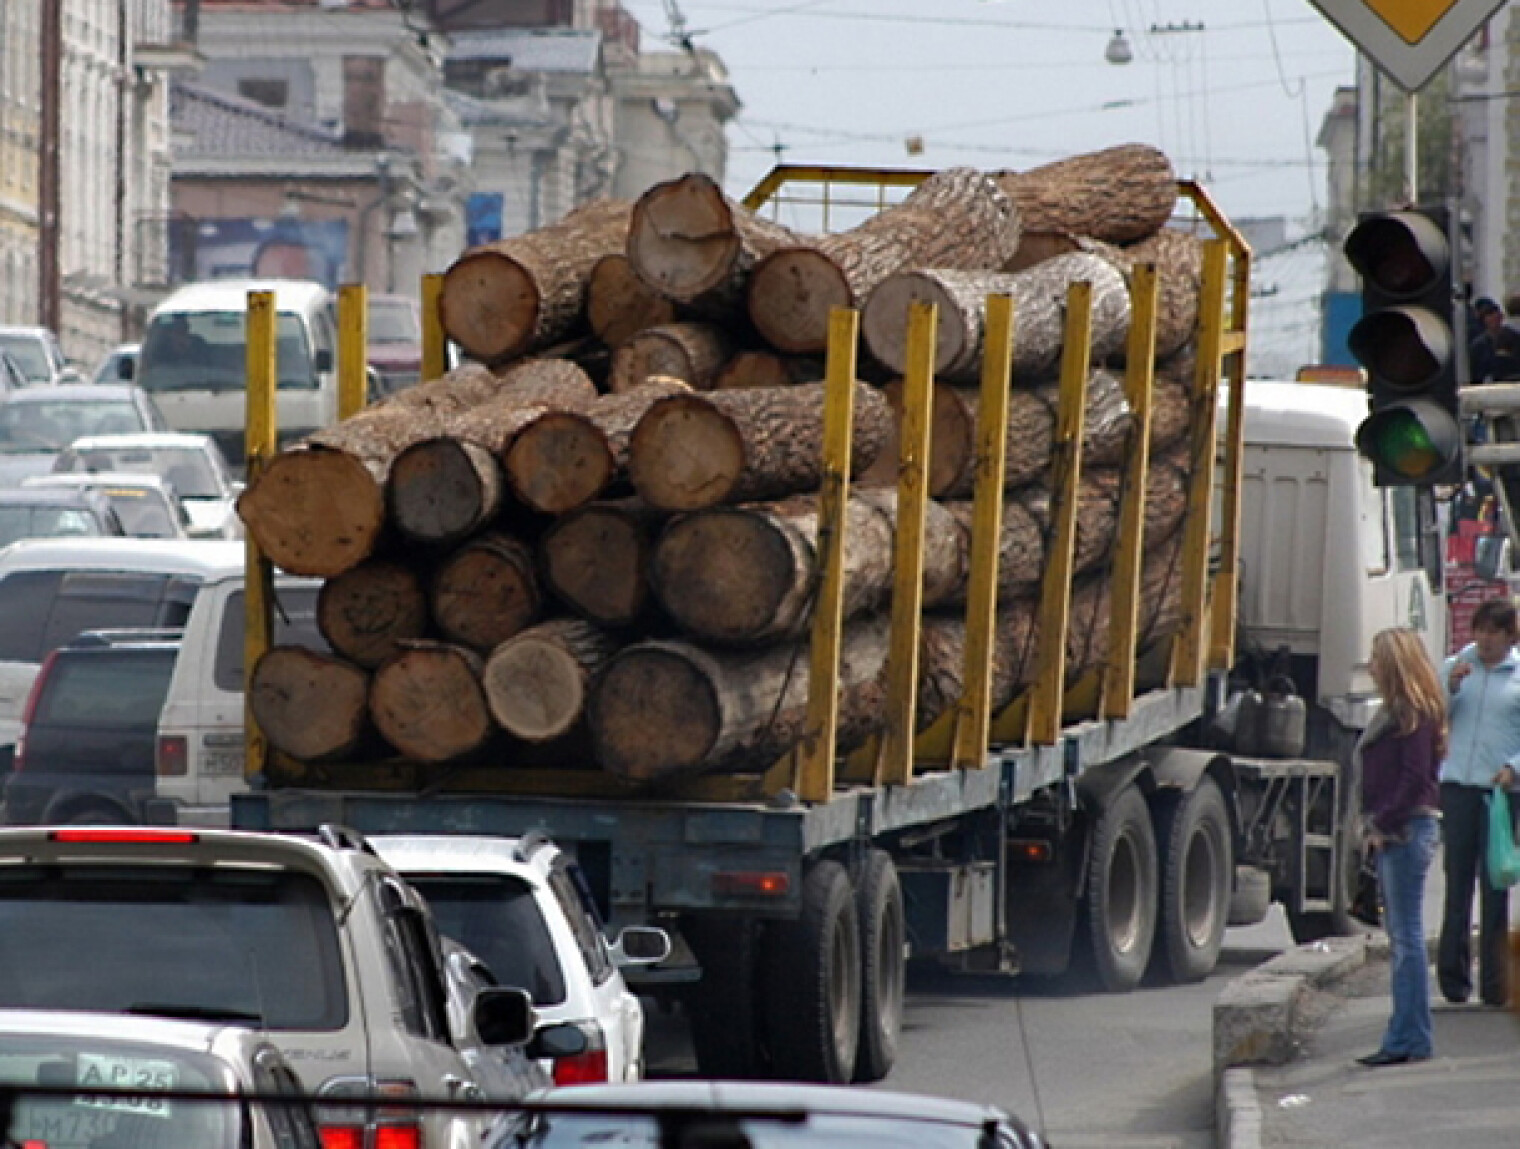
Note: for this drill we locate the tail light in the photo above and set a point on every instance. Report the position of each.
(350, 1107)
(171, 759)
(29, 711)
(587, 1068)
(342, 1137)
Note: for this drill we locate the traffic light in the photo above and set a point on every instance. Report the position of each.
(1406, 341)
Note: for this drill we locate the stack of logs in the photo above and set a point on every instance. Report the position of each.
(594, 546)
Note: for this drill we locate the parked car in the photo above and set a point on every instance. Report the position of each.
(759, 1115)
(118, 366)
(39, 422)
(394, 347)
(146, 505)
(36, 351)
(314, 941)
(64, 1050)
(524, 907)
(44, 514)
(192, 464)
(89, 729)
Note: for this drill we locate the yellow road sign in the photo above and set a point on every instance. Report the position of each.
(1410, 40)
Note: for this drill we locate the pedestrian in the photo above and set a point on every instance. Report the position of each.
(1483, 349)
(1484, 750)
(1400, 756)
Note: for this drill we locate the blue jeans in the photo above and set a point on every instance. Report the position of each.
(1402, 867)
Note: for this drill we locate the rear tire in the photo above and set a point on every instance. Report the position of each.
(883, 969)
(96, 814)
(723, 1007)
(812, 982)
(1120, 907)
(1195, 887)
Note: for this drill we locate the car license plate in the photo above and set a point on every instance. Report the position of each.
(125, 1073)
(222, 762)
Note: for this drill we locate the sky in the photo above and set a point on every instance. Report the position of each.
(1234, 91)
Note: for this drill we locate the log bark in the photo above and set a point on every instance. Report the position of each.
(694, 245)
(1038, 246)
(563, 460)
(695, 451)
(308, 705)
(1030, 438)
(366, 613)
(666, 709)
(690, 352)
(507, 298)
(765, 369)
(748, 575)
(1178, 259)
(486, 592)
(1118, 195)
(957, 218)
(596, 560)
(1039, 308)
(428, 704)
(537, 682)
(619, 304)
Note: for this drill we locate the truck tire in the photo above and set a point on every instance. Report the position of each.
(723, 1008)
(1194, 830)
(812, 982)
(1120, 908)
(883, 934)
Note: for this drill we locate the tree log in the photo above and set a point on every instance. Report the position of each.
(692, 244)
(619, 304)
(486, 592)
(765, 369)
(596, 560)
(537, 682)
(308, 705)
(428, 704)
(1038, 246)
(747, 575)
(691, 352)
(695, 451)
(665, 709)
(1118, 195)
(509, 297)
(1039, 309)
(563, 460)
(366, 612)
(957, 218)
(1178, 259)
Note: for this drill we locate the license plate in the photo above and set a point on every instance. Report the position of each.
(143, 1073)
(222, 762)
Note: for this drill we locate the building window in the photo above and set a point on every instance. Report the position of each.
(270, 93)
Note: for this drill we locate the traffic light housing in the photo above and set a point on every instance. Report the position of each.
(1406, 341)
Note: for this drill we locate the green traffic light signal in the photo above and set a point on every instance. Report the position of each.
(1413, 442)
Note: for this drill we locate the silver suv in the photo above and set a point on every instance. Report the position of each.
(318, 943)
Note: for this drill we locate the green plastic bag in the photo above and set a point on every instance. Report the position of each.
(1503, 857)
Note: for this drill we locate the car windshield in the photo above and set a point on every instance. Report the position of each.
(95, 1122)
(496, 918)
(827, 1131)
(207, 351)
(393, 321)
(172, 940)
(30, 355)
(188, 470)
(53, 424)
(144, 514)
(18, 523)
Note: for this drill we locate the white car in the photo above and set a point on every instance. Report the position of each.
(62, 1050)
(192, 464)
(146, 505)
(523, 907)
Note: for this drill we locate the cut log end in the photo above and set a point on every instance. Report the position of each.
(489, 305)
(367, 612)
(314, 486)
(884, 322)
(436, 491)
(560, 462)
(724, 573)
(309, 705)
(595, 561)
(427, 703)
(486, 593)
(790, 296)
(681, 240)
(654, 713)
(685, 454)
(536, 688)
(619, 304)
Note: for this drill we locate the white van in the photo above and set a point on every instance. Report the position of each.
(194, 358)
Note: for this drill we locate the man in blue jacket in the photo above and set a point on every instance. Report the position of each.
(1483, 751)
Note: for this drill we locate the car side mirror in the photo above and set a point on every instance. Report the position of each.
(323, 360)
(555, 1041)
(640, 945)
(504, 1016)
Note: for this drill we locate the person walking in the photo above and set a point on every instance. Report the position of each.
(1483, 685)
(1400, 755)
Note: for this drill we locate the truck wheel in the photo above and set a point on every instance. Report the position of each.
(1195, 885)
(1121, 893)
(723, 1008)
(883, 934)
(812, 982)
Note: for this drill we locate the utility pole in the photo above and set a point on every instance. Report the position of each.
(50, 278)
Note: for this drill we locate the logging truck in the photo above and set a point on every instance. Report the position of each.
(1084, 721)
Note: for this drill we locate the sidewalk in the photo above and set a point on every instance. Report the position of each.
(1287, 1036)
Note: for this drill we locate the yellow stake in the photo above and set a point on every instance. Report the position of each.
(434, 342)
(1224, 595)
(259, 449)
(353, 348)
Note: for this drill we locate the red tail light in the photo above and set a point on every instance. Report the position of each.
(29, 711)
(398, 1137)
(116, 836)
(172, 758)
(589, 1068)
(342, 1137)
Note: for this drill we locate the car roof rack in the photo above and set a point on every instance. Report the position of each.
(125, 636)
(530, 843)
(343, 838)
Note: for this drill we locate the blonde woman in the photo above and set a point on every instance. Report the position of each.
(1401, 753)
